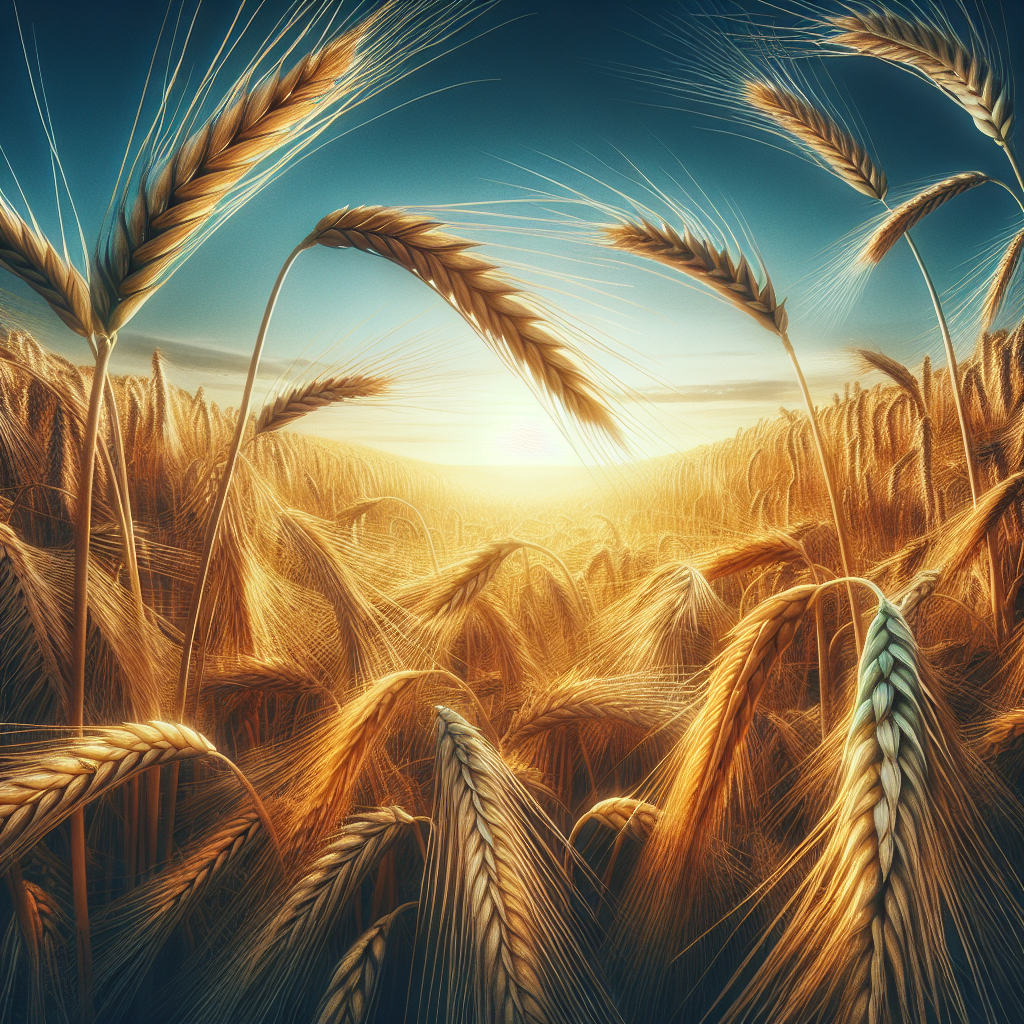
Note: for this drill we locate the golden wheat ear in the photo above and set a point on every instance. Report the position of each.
(832, 144)
(733, 279)
(658, 904)
(299, 401)
(962, 73)
(498, 939)
(355, 985)
(269, 964)
(1000, 283)
(27, 254)
(151, 912)
(37, 799)
(178, 197)
(509, 320)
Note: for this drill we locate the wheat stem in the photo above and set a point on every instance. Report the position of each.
(220, 501)
(837, 515)
(80, 618)
(995, 576)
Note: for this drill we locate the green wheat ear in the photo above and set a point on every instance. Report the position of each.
(888, 694)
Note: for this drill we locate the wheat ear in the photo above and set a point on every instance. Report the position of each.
(865, 943)
(819, 133)
(152, 911)
(307, 398)
(176, 199)
(512, 322)
(27, 254)
(593, 700)
(963, 538)
(896, 372)
(34, 801)
(905, 216)
(1001, 733)
(282, 953)
(733, 279)
(750, 554)
(1001, 281)
(701, 769)
(626, 817)
(497, 942)
(352, 991)
(617, 813)
(960, 73)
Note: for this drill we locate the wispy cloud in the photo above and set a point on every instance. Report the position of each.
(202, 358)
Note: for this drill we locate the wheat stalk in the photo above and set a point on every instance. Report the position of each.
(963, 75)
(1001, 281)
(317, 394)
(906, 215)
(507, 318)
(353, 988)
(819, 133)
(35, 800)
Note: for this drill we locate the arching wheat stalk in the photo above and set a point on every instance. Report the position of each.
(735, 281)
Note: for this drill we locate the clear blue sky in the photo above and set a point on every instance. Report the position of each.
(542, 89)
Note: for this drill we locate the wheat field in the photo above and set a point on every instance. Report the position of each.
(297, 731)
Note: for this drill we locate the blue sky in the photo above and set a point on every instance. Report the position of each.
(535, 89)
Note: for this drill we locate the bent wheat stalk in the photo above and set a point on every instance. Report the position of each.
(701, 768)
(735, 281)
(36, 800)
